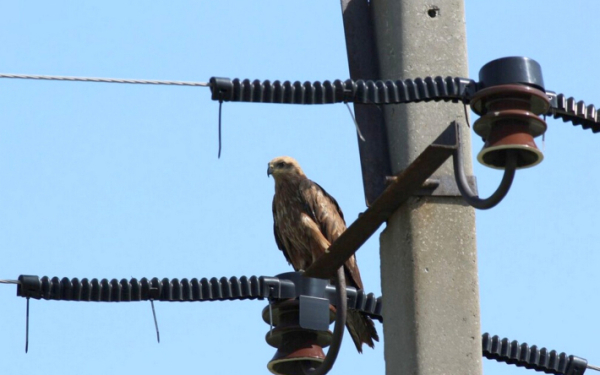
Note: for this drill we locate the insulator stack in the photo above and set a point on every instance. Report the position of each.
(298, 349)
(510, 103)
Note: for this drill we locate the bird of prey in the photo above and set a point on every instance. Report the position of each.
(307, 220)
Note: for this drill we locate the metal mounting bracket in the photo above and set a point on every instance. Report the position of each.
(444, 186)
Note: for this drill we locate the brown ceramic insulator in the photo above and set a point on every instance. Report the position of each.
(297, 348)
(509, 121)
(515, 96)
(510, 137)
(287, 326)
(531, 123)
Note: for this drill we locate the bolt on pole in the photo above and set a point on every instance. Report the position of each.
(428, 251)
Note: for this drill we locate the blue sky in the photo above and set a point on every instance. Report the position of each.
(121, 181)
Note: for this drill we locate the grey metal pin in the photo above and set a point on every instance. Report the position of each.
(466, 115)
(544, 143)
(270, 318)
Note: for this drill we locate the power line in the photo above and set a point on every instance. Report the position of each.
(106, 80)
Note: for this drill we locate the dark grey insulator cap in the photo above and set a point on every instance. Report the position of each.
(510, 70)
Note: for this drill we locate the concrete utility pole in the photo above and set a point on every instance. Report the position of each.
(428, 253)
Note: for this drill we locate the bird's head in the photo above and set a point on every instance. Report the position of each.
(284, 167)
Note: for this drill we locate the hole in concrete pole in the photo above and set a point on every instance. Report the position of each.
(433, 11)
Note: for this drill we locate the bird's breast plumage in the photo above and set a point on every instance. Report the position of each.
(291, 222)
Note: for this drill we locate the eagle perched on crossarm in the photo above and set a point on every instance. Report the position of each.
(307, 220)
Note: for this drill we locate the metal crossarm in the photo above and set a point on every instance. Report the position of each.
(405, 184)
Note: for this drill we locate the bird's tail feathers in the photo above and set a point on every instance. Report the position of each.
(362, 329)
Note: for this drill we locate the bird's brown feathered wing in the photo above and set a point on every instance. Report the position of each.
(307, 220)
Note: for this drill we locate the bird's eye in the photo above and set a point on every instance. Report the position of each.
(280, 164)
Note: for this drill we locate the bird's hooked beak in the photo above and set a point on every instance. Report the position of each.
(270, 170)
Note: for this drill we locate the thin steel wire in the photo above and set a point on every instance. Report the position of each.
(155, 322)
(355, 123)
(592, 367)
(27, 327)
(106, 80)
(220, 111)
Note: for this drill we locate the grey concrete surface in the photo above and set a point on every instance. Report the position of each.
(428, 251)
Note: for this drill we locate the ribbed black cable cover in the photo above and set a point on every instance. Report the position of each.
(575, 112)
(426, 89)
(327, 92)
(175, 290)
(531, 357)
(184, 290)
